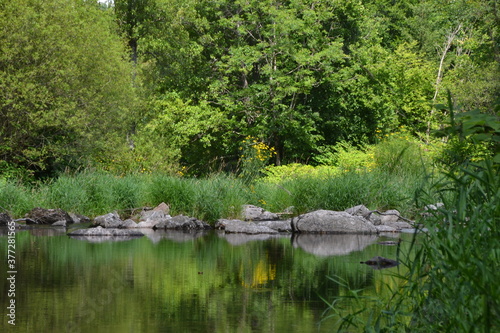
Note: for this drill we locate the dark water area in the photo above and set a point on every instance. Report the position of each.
(185, 282)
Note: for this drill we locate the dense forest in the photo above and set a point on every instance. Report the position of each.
(170, 85)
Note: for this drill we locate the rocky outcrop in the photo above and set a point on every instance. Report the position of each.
(156, 218)
(47, 216)
(329, 221)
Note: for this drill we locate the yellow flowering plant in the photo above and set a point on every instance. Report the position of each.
(254, 156)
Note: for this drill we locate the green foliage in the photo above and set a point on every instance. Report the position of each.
(66, 92)
(452, 266)
(400, 154)
(277, 174)
(473, 136)
(346, 157)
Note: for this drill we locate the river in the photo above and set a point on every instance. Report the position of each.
(187, 282)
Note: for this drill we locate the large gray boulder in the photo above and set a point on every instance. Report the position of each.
(47, 216)
(110, 220)
(329, 221)
(245, 227)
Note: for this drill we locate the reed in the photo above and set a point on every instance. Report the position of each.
(451, 270)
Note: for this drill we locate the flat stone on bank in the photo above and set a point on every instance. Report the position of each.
(245, 227)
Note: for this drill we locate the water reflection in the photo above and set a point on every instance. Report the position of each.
(332, 245)
(178, 236)
(240, 239)
(103, 239)
(176, 281)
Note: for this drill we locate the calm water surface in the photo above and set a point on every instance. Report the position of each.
(186, 282)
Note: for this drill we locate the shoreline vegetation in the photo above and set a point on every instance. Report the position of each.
(321, 105)
(382, 176)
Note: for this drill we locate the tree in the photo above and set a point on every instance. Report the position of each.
(277, 52)
(66, 93)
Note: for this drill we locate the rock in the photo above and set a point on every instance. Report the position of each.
(150, 224)
(359, 210)
(328, 221)
(100, 231)
(375, 219)
(5, 219)
(182, 222)
(128, 224)
(245, 227)
(153, 215)
(390, 216)
(77, 218)
(163, 207)
(362, 211)
(280, 226)
(48, 216)
(254, 213)
(380, 262)
(398, 225)
(110, 220)
(61, 223)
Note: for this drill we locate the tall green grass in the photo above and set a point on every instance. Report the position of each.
(452, 268)
(218, 196)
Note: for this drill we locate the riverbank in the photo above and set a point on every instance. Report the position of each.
(94, 193)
